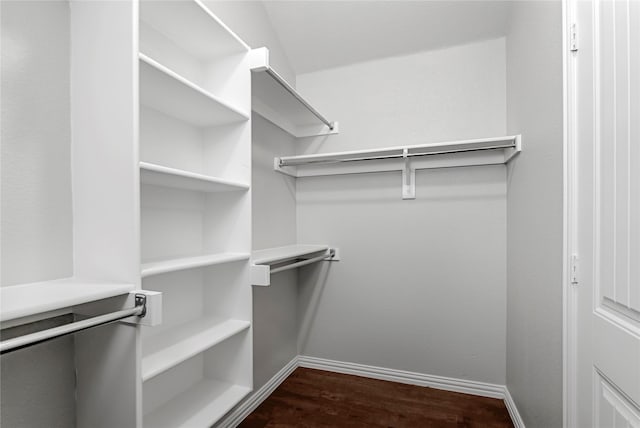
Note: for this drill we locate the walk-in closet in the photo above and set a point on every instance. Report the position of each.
(320, 213)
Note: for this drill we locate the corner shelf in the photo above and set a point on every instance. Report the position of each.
(182, 342)
(277, 101)
(23, 300)
(166, 91)
(208, 37)
(173, 265)
(198, 407)
(159, 175)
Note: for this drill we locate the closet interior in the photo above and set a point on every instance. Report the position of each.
(352, 218)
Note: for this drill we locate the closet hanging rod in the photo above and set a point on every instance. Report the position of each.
(329, 256)
(295, 94)
(398, 152)
(52, 333)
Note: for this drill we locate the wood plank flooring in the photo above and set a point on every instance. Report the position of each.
(316, 398)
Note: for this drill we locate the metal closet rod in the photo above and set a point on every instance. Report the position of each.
(294, 162)
(31, 339)
(293, 92)
(332, 253)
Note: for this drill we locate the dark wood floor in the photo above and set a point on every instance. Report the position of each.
(316, 398)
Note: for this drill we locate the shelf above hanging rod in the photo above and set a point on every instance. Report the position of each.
(273, 260)
(407, 159)
(280, 103)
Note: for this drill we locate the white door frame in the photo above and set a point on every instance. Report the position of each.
(570, 220)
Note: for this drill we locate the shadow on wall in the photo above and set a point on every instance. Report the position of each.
(312, 282)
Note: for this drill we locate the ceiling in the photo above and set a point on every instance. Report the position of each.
(324, 34)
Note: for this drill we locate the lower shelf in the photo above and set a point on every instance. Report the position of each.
(178, 344)
(199, 406)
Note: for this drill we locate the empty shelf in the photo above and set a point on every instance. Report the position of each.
(207, 38)
(180, 343)
(173, 265)
(23, 300)
(279, 102)
(198, 407)
(166, 91)
(282, 254)
(179, 179)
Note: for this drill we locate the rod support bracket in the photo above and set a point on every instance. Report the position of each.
(408, 177)
(151, 302)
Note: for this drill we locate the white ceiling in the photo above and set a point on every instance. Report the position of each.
(328, 33)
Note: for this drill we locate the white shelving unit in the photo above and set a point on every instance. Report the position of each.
(277, 101)
(195, 157)
(272, 260)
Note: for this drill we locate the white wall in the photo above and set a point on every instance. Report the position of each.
(37, 383)
(421, 284)
(274, 224)
(534, 212)
(36, 142)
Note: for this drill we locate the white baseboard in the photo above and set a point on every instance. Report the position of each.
(237, 415)
(412, 378)
(513, 410)
(401, 376)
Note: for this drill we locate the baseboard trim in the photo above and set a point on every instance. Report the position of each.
(513, 410)
(482, 389)
(237, 415)
(401, 376)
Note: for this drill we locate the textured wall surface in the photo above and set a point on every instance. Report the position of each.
(422, 283)
(534, 213)
(36, 142)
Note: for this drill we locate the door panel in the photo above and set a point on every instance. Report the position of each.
(612, 409)
(607, 187)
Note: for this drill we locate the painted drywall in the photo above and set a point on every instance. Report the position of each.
(36, 142)
(249, 20)
(534, 212)
(37, 383)
(421, 285)
(274, 225)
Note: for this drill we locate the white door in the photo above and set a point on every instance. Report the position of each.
(604, 135)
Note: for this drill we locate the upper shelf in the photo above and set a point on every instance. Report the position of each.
(485, 151)
(279, 102)
(17, 301)
(166, 91)
(207, 38)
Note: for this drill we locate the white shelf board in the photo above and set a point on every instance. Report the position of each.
(182, 342)
(279, 102)
(173, 265)
(198, 407)
(282, 254)
(166, 91)
(159, 175)
(484, 151)
(207, 36)
(17, 301)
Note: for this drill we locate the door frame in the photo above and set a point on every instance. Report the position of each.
(570, 219)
